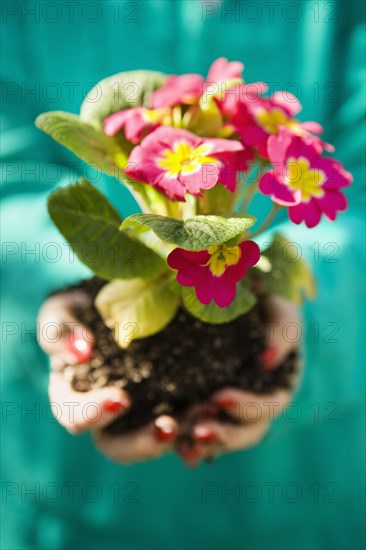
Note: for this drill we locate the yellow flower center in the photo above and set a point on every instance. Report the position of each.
(222, 257)
(271, 119)
(299, 176)
(184, 159)
(153, 115)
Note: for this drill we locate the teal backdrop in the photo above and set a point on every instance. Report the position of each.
(303, 487)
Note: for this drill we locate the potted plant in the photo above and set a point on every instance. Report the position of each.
(180, 288)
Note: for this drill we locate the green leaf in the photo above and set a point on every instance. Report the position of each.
(137, 308)
(288, 275)
(196, 233)
(212, 313)
(87, 141)
(91, 225)
(118, 92)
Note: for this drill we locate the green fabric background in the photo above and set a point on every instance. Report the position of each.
(303, 487)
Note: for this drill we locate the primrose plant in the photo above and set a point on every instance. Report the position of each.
(193, 152)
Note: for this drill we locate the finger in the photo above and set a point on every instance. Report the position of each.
(60, 334)
(247, 407)
(71, 347)
(192, 453)
(143, 444)
(81, 411)
(283, 330)
(214, 437)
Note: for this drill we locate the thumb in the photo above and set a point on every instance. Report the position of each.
(61, 335)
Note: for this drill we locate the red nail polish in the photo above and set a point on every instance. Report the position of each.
(189, 454)
(202, 434)
(227, 404)
(268, 357)
(165, 433)
(81, 349)
(115, 406)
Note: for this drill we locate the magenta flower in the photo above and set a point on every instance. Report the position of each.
(177, 162)
(214, 272)
(135, 122)
(302, 180)
(188, 88)
(256, 118)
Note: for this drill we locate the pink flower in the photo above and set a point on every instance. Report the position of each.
(188, 88)
(256, 118)
(214, 272)
(222, 70)
(230, 101)
(176, 161)
(134, 121)
(302, 180)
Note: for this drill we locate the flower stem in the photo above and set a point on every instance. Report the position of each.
(248, 192)
(249, 195)
(177, 116)
(267, 221)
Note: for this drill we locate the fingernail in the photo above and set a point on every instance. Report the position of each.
(203, 434)
(227, 404)
(268, 357)
(82, 349)
(189, 454)
(115, 406)
(165, 432)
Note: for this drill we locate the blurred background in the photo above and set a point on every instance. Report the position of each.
(303, 487)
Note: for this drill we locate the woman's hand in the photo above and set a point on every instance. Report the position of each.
(146, 443)
(251, 412)
(68, 343)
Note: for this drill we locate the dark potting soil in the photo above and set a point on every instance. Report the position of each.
(180, 366)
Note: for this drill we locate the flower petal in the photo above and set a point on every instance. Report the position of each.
(313, 127)
(270, 184)
(205, 178)
(190, 265)
(186, 88)
(222, 69)
(307, 212)
(337, 176)
(224, 293)
(114, 123)
(166, 137)
(331, 203)
(180, 258)
(287, 101)
(219, 145)
(277, 148)
(205, 289)
(250, 254)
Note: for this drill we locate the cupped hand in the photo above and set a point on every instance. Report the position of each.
(205, 437)
(68, 342)
(146, 443)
